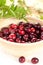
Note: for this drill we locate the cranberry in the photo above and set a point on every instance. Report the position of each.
(32, 35)
(18, 40)
(5, 38)
(32, 29)
(21, 23)
(1, 34)
(29, 30)
(42, 37)
(33, 40)
(14, 26)
(22, 32)
(18, 35)
(11, 30)
(25, 37)
(30, 25)
(38, 40)
(5, 30)
(12, 36)
(21, 27)
(41, 28)
(34, 60)
(11, 40)
(22, 59)
(22, 41)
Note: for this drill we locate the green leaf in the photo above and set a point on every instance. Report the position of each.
(2, 2)
(20, 12)
(12, 0)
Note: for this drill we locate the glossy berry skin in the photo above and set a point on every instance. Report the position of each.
(11, 40)
(22, 59)
(21, 27)
(25, 37)
(12, 36)
(14, 26)
(33, 39)
(18, 40)
(1, 34)
(32, 29)
(5, 30)
(21, 32)
(34, 60)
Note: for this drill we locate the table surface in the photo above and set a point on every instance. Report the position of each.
(6, 59)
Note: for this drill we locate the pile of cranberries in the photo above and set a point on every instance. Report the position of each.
(22, 32)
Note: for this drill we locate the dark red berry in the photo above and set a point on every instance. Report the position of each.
(18, 40)
(34, 60)
(21, 23)
(41, 28)
(5, 30)
(11, 30)
(33, 40)
(22, 41)
(25, 37)
(1, 34)
(22, 59)
(29, 30)
(32, 29)
(21, 32)
(14, 26)
(21, 27)
(5, 38)
(42, 37)
(11, 40)
(12, 36)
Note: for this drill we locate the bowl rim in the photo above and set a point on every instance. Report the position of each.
(27, 43)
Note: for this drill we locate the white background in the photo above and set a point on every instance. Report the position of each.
(6, 59)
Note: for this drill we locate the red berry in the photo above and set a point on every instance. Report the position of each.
(29, 30)
(13, 26)
(22, 59)
(5, 30)
(21, 32)
(32, 29)
(18, 40)
(12, 36)
(25, 37)
(1, 34)
(34, 60)
(21, 27)
(11, 40)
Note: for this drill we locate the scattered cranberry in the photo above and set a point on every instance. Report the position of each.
(22, 59)
(12, 36)
(34, 60)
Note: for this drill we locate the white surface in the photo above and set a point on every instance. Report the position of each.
(6, 59)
